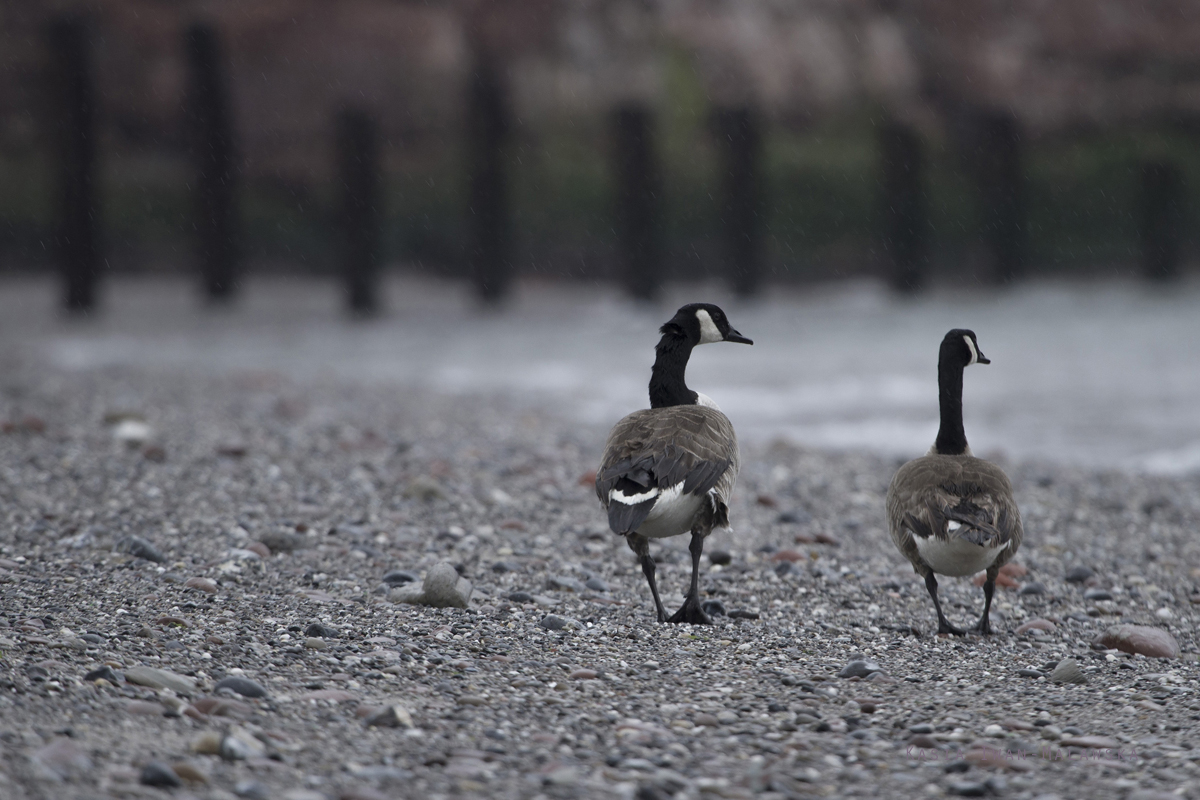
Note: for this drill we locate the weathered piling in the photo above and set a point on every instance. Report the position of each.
(212, 147)
(903, 209)
(638, 201)
(357, 143)
(1000, 178)
(488, 130)
(739, 137)
(72, 111)
(1161, 218)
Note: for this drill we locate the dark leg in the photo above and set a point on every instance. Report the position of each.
(641, 545)
(985, 623)
(690, 612)
(944, 625)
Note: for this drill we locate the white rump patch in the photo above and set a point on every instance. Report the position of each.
(974, 352)
(708, 329)
(672, 513)
(705, 400)
(956, 557)
(632, 499)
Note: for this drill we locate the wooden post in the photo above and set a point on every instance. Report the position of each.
(638, 201)
(1161, 220)
(740, 142)
(73, 111)
(905, 224)
(1001, 183)
(358, 167)
(491, 226)
(210, 126)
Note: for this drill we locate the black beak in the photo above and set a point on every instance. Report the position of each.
(980, 358)
(734, 336)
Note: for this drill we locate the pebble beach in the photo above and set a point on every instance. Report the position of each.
(207, 581)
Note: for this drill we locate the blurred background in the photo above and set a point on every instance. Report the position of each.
(918, 140)
(814, 164)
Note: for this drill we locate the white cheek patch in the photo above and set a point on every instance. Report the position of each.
(708, 328)
(974, 352)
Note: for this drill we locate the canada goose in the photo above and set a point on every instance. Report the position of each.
(670, 469)
(949, 512)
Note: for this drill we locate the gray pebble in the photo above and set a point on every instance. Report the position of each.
(320, 631)
(596, 585)
(1033, 587)
(156, 773)
(714, 608)
(160, 679)
(720, 557)
(794, 517)
(1068, 671)
(251, 790)
(501, 567)
(1030, 673)
(1078, 574)
(553, 622)
(923, 727)
(106, 672)
(968, 789)
(520, 597)
(138, 547)
(564, 583)
(243, 686)
(1097, 594)
(860, 668)
(398, 577)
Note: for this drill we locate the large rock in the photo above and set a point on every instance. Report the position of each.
(442, 588)
(1151, 642)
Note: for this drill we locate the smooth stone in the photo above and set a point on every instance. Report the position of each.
(923, 741)
(564, 583)
(741, 613)
(207, 743)
(859, 668)
(251, 790)
(472, 700)
(1078, 574)
(596, 585)
(794, 517)
(1097, 594)
(315, 643)
(714, 608)
(103, 673)
(336, 695)
(520, 597)
(399, 577)
(389, 716)
(1068, 671)
(280, 541)
(320, 631)
(1036, 625)
(583, 675)
(783, 568)
(62, 760)
(721, 558)
(553, 622)
(239, 685)
(923, 727)
(968, 789)
(1031, 673)
(443, 588)
(501, 567)
(189, 772)
(207, 585)
(160, 679)
(241, 745)
(1098, 742)
(1150, 642)
(138, 547)
(1033, 587)
(156, 773)
(261, 549)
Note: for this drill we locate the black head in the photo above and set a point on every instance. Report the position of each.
(703, 323)
(961, 348)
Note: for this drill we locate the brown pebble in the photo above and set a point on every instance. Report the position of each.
(923, 741)
(472, 700)
(583, 675)
(189, 772)
(803, 538)
(986, 757)
(1036, 625)
(207, 743)
(260, 548)
(155, 453)
(707, 720)
(169, 621)
(1150, 642)
(362, 793)
(1017, 725)
(867, 704)
(788, 555)
(201, 584)
(767, 500)
(827, 538)
(194, 713)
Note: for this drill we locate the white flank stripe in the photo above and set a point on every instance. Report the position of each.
(632, 499)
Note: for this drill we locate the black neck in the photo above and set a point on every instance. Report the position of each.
(667, 385)
(951, 438)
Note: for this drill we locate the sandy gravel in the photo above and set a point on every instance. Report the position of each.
(346, 483)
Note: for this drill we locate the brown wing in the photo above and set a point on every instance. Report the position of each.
(660, 448)
(930, 492)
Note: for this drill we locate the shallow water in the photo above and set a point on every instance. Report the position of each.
(1103, 374)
